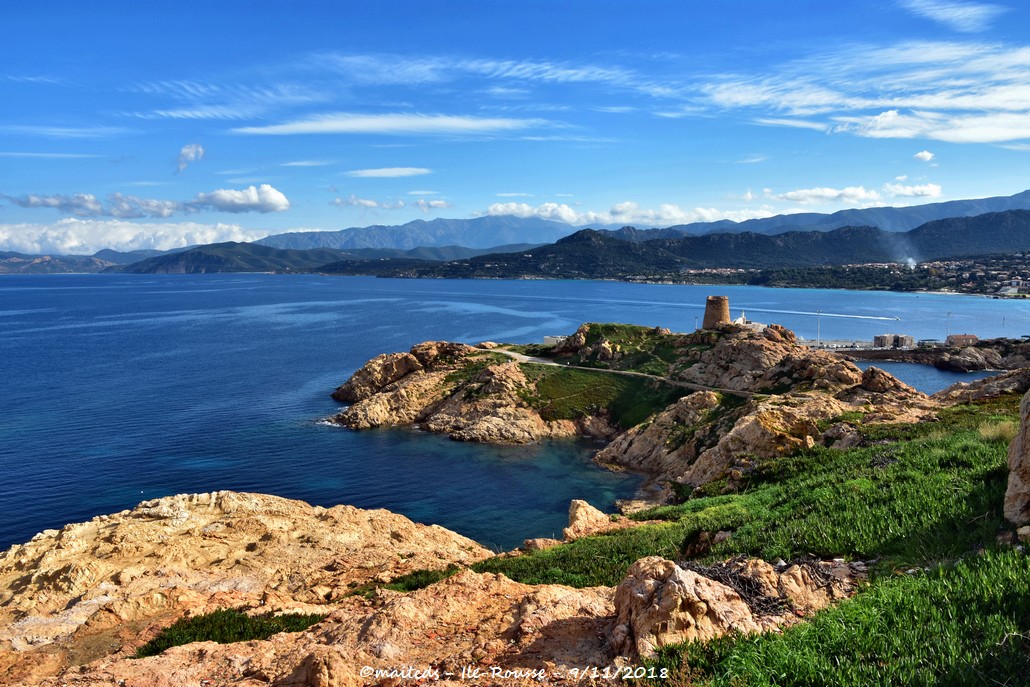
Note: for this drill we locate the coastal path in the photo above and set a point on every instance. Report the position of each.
(626, 373)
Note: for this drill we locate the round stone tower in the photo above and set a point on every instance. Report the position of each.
(717, 311)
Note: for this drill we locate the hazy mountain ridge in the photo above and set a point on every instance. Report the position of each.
(479, 232)
(892, 219)
(252, 257)
(593, 254)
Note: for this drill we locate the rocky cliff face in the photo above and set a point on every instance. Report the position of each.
(86, 590)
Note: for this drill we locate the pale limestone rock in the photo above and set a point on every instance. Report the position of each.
(659, 603)
(1017, 495)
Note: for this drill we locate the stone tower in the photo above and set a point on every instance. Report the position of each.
(717, 311)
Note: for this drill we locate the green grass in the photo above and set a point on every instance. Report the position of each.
(966, 623)
(569, 394)
(225, 626)
(909, 503)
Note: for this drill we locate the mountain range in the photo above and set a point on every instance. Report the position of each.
(598, 255)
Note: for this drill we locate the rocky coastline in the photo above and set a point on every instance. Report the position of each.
(697, 413)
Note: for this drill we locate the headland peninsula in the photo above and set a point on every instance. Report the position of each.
(805, 516)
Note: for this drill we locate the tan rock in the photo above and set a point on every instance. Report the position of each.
(664, 448)
(585, 520)
(540, 544)
(659, 603)
(376, 374)
(1014, 381)
(1017, 495)
(67, 592)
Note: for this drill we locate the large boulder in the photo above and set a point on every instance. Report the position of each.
(660, 603)
(1017, 496)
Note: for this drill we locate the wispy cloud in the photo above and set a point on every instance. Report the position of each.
(308, 163)
(46, 156)
(64, 131)
(398, 124)
(389, 172)
(965, 92)
(968, 17)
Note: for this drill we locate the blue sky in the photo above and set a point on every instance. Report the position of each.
(158, 124)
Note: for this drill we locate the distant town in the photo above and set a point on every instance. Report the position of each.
(1000, 276)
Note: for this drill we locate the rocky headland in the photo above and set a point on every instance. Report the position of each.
(713, 415)
(722, 399)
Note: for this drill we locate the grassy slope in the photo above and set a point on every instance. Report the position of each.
(928, 499)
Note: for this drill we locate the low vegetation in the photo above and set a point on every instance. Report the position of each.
(226, 626)
(569, 394)
(920, 504)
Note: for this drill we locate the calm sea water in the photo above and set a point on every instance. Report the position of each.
(120, 388)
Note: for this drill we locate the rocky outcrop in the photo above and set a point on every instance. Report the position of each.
(91, 587)
(742, 360)
(669, 444)
(1015, 381)
(969, 359)
(375, 374)
(1017, 495)
(660, 603)
(701, 438)
(78, 602)
(464, 392)
(491, 408)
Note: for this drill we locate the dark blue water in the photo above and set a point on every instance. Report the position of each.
(119, 388)
(926, 378)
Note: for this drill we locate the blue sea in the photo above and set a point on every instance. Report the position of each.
(121, 388)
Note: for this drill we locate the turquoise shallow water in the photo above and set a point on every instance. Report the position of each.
(120, 388)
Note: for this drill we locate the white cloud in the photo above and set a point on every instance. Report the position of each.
(87, 236)
(627, 212)
(852, 195)
(422, 193)
(191, 152)
(387, 172)
(354, 201)
(924, 155)
(999, 127)
(901, 177)
(963, 92)
(263, 198)
(968, 17)
(393, 124)
(917, 191)
(307, 163)
(427, 205)
(81, 204)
